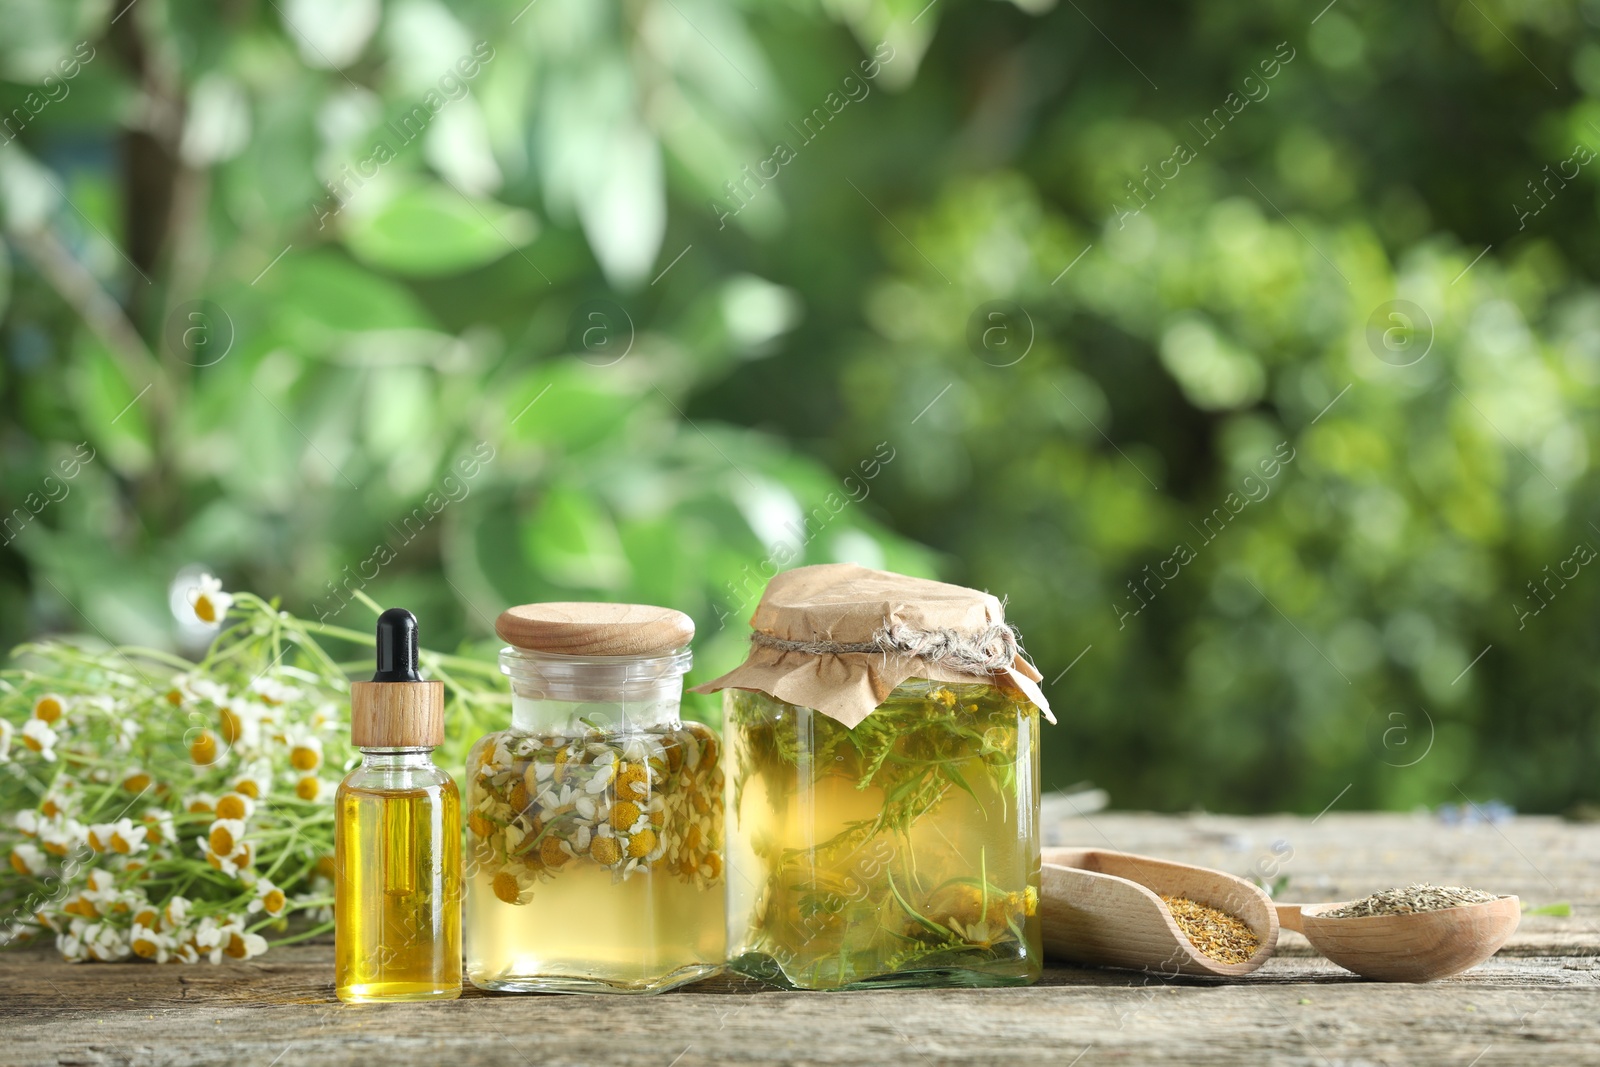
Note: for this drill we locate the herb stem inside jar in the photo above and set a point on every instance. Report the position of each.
(910, 876)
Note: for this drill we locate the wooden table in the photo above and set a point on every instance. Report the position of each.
(1538, 1001)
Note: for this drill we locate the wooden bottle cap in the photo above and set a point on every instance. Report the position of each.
(579, 629)
(397, 714)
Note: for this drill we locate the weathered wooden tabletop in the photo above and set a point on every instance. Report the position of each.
(1538, 1001)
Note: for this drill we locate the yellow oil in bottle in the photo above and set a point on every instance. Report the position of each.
(397, 904)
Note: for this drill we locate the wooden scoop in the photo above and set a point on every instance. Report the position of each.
(1412, 947)
(1104, 908)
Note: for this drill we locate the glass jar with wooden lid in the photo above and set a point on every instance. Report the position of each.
(883, 742)
(594, 820)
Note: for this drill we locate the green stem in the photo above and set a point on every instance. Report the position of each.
(353, 636)
(306, 935)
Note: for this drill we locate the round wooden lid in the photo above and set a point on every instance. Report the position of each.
(580, 629)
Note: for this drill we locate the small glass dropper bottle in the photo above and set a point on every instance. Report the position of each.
(397, 837)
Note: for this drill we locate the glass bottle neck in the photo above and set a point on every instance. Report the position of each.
(396, 758)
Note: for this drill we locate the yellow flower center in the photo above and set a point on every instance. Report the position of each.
(48, 709)
(203, 750)
(144, 948)
(236, 947)
(551, 852)
(247, 787)
(633, 782)
(49, 809)
(148, 919)
(32, 742)
(95, 842)
(642, 844)
(137, 782)
(120, 844)
(308, 788)
(19, 864)
(221, 841)
(507, 888)
(624, 813)
(479, 824)
(274, 901)
(231, 807)
(232, 726)
(605, 850)
(304, 758)
(204, 609)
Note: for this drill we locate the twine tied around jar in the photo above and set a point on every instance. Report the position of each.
(987, 651)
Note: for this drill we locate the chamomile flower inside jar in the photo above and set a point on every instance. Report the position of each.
(883, 740)
(594, 822)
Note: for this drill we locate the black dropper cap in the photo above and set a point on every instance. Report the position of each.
(397, 647)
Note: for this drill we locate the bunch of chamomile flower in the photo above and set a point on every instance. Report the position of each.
(155, 808)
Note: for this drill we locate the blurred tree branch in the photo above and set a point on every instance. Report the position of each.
(106, 319)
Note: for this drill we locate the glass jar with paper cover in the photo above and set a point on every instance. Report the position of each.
(883, 742)
(594, 821)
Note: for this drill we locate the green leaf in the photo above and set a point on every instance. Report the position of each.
(431, 230)
(573, 542)
(1561, 910)
(570, 405)
(107, 406)
(323, 293)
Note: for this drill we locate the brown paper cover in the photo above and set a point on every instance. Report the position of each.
(848, 604)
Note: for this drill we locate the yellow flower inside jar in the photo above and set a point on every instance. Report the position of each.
(594, 822)
(883, 737)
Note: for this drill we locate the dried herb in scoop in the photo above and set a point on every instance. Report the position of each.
(1213, 931)
(1408, 899)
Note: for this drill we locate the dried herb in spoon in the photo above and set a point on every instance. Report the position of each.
(1410, 899)
(1212, 931)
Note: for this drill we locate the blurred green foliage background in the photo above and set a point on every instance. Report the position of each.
(693, 288)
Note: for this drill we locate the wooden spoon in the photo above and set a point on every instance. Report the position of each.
(1103, 907)
(1411, 947)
